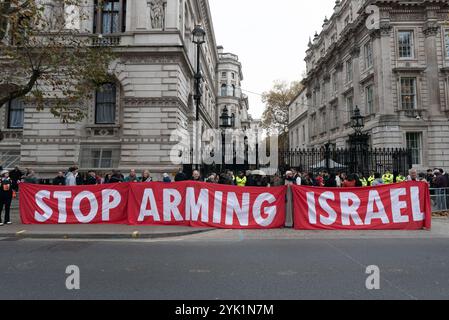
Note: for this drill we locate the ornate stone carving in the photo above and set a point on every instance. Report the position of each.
(157, 13)
(385, 28)
(431, 29)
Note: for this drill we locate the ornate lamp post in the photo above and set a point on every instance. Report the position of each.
(358, 141)
(199, 38)
(225, 123)
(357, 121)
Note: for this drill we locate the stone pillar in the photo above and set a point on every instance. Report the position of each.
(172, 15)
(356, 76)
(142, 17)
(432, 72)
(385, 68)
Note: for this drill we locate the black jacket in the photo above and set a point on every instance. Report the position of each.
(59, 181)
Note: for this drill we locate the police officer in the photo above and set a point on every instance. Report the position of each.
(371, 179)
(364, 182)
(400, 178)
(388, 178)
(240, 180)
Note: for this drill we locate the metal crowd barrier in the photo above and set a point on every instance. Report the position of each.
(439, 199)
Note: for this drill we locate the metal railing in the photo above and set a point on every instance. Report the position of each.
(439, 199)
(351, 160)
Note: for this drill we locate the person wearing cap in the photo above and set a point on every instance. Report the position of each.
(6, 193)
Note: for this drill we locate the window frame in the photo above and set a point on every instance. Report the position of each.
(418, 149)
(97, 27)
(369, 103)
(415, 93)
(349, 109)
(8, 114)
(446, 42)
(349, 75)
(368, 55)
(96, 122)
(412, 44)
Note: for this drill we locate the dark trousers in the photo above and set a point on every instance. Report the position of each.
(5, 202)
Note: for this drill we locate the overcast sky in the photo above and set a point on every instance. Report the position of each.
(269, 36)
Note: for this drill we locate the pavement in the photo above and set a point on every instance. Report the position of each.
(19, 230)
(188, 264)
(226, 265)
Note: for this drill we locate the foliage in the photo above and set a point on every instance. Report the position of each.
(46, 59)
(277, 101)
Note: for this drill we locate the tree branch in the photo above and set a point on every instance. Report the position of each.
(21, 91)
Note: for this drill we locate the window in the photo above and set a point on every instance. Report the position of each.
(408, 93)
(335, 82)
(335, 117)
(105, 104)
(303, 134)
(233, 90)
(350, 106)
(405, 44)
(233, 76)
(369, 99)
(15, 114)
(349, 71)
(100, 158)
(110, 17)
(223, 74)
(414, 143)
(323, 93)
(368, 53)
(446, 42)
(224, 89)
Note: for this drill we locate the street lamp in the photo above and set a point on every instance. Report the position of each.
(225, 119)
(199, 38)
(225, 123)
(357, 121)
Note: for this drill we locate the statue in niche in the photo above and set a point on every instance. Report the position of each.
(157, 13)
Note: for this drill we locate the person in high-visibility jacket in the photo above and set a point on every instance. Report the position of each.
(371, 180)
(388, 178)
(364, 182)
(240, 180)
(398, 178)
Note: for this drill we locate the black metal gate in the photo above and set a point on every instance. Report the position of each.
(362, 161)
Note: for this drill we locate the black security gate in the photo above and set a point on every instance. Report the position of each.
(362, 161)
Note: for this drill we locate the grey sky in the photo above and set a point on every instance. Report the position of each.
(270, 38)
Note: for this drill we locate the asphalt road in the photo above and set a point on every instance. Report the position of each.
(227, 265)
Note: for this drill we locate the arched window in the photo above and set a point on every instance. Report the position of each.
(233, 120)
(105, 104)
(223, 90)
(233, 90)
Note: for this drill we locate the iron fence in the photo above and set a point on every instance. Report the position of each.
(351, 160)
(439, 199)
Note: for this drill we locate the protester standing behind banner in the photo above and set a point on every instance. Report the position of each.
(70, 178)
(6, 194)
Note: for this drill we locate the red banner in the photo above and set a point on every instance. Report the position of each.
(207, 205)
(180, 204)
(104, 204)
(404, 206)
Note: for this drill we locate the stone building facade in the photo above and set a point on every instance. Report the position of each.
(393, 63)
(298, 127)
(130, 122)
